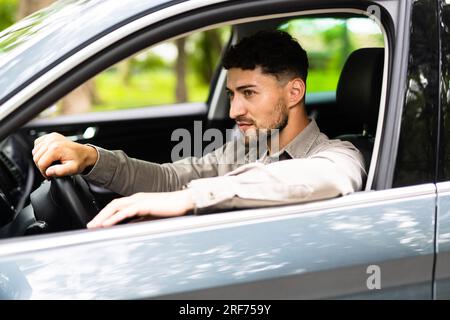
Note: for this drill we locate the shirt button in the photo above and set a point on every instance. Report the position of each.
(211, 196)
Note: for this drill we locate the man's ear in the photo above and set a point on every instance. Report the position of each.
(296, 91)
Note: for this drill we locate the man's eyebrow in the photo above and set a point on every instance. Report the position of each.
(247, 86)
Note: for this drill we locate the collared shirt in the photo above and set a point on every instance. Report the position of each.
(310, 167)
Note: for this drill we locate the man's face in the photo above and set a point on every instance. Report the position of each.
(257, 100)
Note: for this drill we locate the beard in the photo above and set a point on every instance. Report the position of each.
(278, 121)
(282, 116)
(268, 131)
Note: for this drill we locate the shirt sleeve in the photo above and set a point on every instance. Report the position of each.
(326, 174)
(124, 175)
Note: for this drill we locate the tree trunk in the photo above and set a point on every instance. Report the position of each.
(125, 71)
(27, 7)
(79, 100)
(180, 68)
(211, 48)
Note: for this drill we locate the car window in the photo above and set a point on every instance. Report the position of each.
(174, 71)
(416, 154)
(329, 42)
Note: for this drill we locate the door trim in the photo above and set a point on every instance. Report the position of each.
(187, 224)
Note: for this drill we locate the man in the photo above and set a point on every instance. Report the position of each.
(266, 86)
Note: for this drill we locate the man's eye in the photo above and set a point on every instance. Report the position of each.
(248, 93)
(230, 95)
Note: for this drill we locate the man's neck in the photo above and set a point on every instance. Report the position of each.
(298, 121)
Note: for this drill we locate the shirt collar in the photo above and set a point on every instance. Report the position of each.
(301, 144)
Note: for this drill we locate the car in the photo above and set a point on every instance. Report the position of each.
(390, 240)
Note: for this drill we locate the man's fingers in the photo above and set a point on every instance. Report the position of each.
(39, 140)
(120, 215)
(45, 151)
(46, 160)
(38, 147)
(37, 153)
(47, 138)
(37, 156)
(108, 211)
(61, 170)
(35, 149)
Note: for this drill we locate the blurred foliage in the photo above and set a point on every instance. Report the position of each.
(207, 48)
(149, 61)
(154, 87)
(148, 78)
(8, 11)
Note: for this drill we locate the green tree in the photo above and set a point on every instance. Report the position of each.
(8, 9)
(208, 46)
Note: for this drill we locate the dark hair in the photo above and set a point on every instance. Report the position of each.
(276, 52)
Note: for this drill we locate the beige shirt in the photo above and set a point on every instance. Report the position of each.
(310, 167)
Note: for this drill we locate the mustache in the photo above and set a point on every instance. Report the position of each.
(244, 120)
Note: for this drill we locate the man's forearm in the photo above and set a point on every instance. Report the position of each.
(117, 172)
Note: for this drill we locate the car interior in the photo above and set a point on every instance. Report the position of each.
(29, 205)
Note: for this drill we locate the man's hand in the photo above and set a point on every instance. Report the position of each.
(74, 157)
(141, 205)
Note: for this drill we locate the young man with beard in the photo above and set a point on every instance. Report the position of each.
(266, 86)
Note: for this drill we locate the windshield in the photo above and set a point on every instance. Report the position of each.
(30, 29)
(35, 43)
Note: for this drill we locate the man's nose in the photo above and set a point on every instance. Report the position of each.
(237, 108)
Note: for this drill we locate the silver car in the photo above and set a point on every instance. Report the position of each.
(391, 99)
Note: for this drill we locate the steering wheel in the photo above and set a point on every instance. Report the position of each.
(72, 193)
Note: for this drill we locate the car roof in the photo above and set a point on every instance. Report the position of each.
(45, 37)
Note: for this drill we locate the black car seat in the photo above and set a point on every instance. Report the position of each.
(358, 97)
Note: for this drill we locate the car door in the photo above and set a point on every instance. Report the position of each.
(368, 245)
(374, 245)
(379, 244)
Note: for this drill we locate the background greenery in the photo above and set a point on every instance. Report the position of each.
(8, 10)
(145, 88)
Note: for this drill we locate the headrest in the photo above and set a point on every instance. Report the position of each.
(359, 87)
